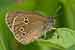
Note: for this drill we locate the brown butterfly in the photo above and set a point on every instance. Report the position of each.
(28, 26)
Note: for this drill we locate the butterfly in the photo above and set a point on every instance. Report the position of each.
(28, 26)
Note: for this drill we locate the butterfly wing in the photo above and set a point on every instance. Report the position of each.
(28, 26)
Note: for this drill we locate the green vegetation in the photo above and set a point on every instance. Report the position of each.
(62, 38)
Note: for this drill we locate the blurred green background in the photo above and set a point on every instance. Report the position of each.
(63, 10)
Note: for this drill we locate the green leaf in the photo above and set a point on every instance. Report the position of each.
(71, 48)
(68, 10)
(63, 37)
